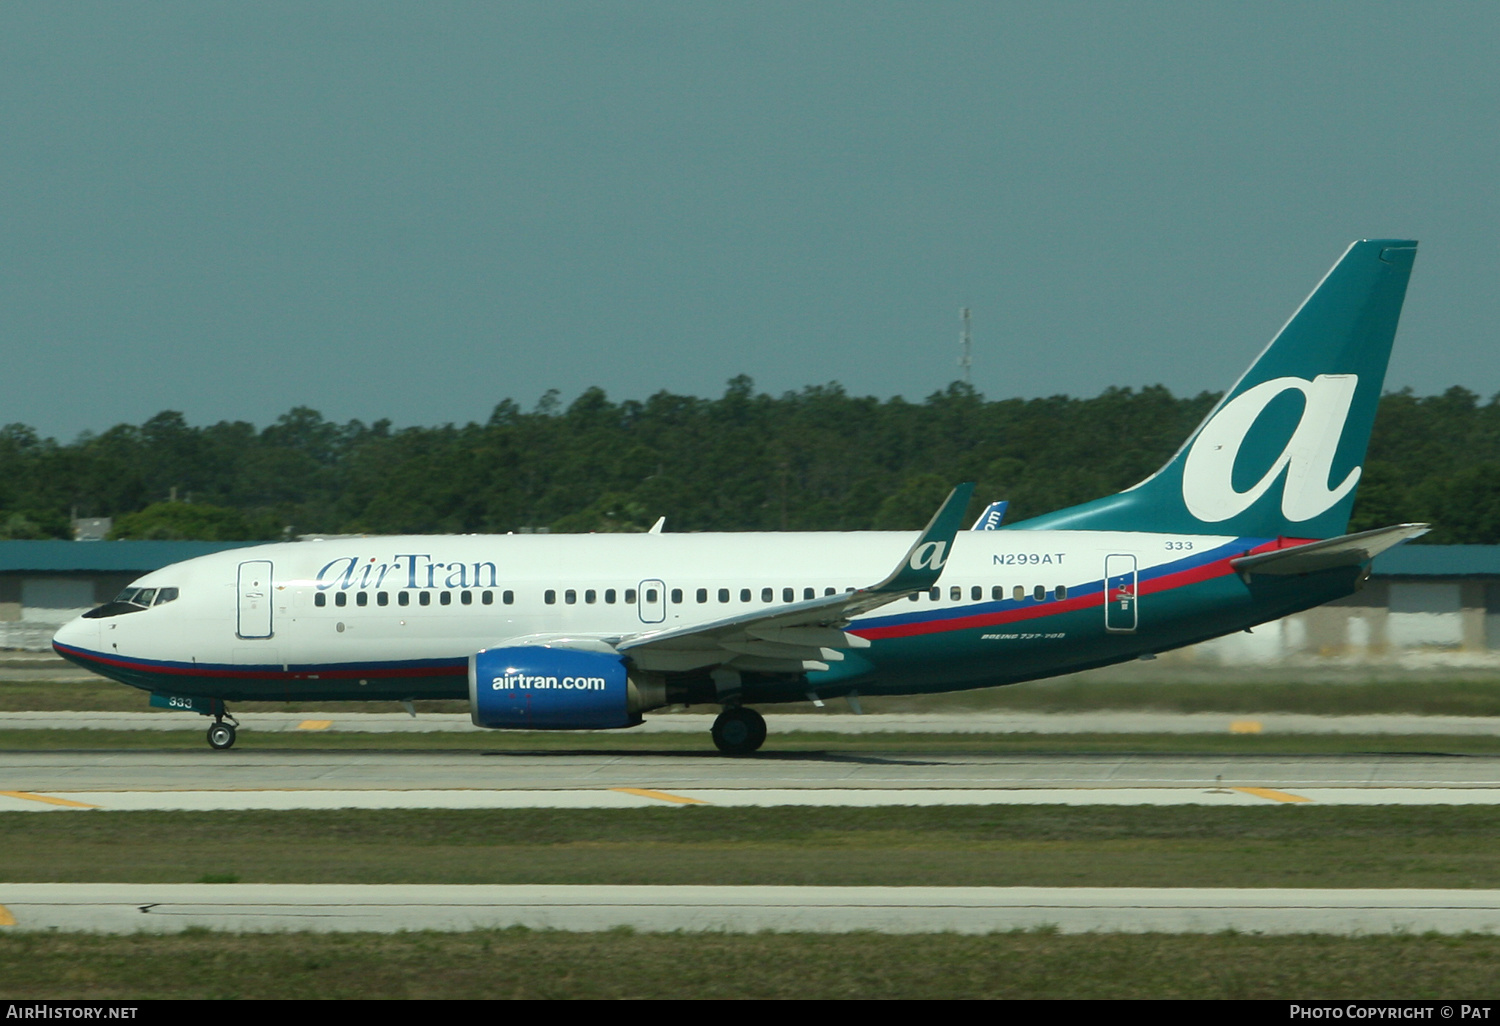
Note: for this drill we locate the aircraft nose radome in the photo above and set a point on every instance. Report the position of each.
(78, 633)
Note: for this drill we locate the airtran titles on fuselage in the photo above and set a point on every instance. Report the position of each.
(524, 682)
(406, 570)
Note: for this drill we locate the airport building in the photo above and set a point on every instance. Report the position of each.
(1424, 607)
(44, 584)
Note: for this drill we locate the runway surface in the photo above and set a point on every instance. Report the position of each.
(1101, 722)
(161, 908)
(206, 780)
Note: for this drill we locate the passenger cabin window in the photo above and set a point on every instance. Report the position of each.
(744, 594)
(445, 598)
(1061, 592)
(610, 595)
(550, 597)
(1039, 593)
(361, 598)
(976, 593)
(320, 599)
(630, 596)
(424, 598)
(723, 594)
(382, 598)
(702, 595)
(830, 591)
(487, 597)
(466, 597)
(403, 598)
(956, 593)
(997, 593)
(935, 594)
(809, 593)
(788, 594)
(340, 599)
(590, 596)
(676, 595)
(1018, 593)
(509, 598)
(768, 594)
(570, 597)
(650, 594)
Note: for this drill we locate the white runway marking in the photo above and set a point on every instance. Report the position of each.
(167, 908)
(634, 798)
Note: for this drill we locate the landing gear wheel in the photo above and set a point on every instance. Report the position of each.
(739, 731)
(221, 736)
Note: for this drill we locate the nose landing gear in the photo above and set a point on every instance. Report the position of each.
(739, 731)
(221, 735)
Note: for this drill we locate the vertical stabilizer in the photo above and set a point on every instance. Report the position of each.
(1283, 451)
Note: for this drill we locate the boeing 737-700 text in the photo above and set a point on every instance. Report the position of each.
(1243, 525)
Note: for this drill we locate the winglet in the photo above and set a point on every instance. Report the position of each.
(923, 563)
(990, 519)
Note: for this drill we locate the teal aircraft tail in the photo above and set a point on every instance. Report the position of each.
(1282, 452)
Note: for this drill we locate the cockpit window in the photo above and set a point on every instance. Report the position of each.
(133, 600)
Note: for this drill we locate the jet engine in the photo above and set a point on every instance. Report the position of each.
(551, 687)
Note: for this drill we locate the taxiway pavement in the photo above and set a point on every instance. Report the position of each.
(1100, 722)
(248, 779)
(131, 908)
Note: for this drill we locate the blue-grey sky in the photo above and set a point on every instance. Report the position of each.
(415, 210)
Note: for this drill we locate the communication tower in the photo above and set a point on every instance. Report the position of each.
(966, 340)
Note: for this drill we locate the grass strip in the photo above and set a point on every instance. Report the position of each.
(1176, 846)
(626, 742)
(519, 963)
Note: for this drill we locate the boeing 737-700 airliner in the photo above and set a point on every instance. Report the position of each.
(1243, 525)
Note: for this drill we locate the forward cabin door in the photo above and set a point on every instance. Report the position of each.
(1120, 612)
(254, 593)
(653, 602)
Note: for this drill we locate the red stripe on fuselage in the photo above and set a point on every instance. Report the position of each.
(179, 670)
(1166, 582)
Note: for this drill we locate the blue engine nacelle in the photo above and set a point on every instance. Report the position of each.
(533, 687)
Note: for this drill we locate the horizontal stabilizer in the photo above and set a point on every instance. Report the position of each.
(1348, 550)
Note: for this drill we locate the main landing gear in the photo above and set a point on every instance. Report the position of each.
(739, 731)
(221, 734)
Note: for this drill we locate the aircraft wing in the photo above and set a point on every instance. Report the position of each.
(1346, 550)
(801, 636)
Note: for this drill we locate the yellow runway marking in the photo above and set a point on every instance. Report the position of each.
(1244, 727)
(679, 799)
(6, 919)
(48, 799)
(1275, 796)
(314, 724)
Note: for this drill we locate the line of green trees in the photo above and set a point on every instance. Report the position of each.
(818, 459)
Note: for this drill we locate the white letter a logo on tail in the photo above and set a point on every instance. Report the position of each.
(1208, 474)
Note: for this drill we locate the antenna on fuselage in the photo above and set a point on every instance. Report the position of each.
(966, 340)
